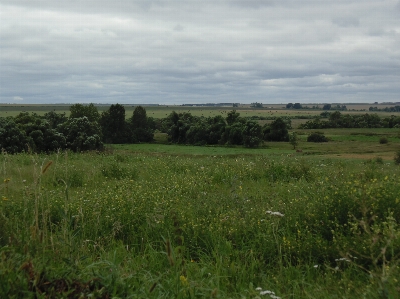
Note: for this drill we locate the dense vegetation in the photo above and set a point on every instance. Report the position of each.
(135, 225)
(338, 120)
(86, 129)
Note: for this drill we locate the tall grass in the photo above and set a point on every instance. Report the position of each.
(166, 226)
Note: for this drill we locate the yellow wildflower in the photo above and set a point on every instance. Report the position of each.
(183, 280)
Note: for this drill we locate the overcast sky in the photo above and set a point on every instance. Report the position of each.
(187, 51)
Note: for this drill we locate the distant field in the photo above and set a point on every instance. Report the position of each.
(344, 143)
(163, 111)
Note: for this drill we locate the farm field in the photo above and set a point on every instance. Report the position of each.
(164, 111)
(176, 221)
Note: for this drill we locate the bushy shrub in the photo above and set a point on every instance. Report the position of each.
(317, 137)
(81, 134)
(276, 131)
(383, 140)
(12, 139)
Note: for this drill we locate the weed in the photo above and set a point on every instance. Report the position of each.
(114, 170)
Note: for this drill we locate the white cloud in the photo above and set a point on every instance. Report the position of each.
(199, 51)
(18, 98)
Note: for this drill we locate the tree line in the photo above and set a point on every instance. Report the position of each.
(339, 120)
(86, 129)
(324, 107)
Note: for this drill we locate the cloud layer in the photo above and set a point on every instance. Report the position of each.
(175, 52)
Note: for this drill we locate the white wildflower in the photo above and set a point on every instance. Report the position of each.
(267, 293)
(275, 213)
(342, 259)
(258, 289)
(316, 266)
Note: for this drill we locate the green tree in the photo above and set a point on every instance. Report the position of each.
(206, 130)
(289, 105)
(334, 119)
(327, 107)
(233, 134)
(232, 117)
(54, 119)
(252, 133)
(82, 134)
(297, 106)
(140, 126)
(12, 139)
(114, 126)
(317, 137)
(276, 131)
(90, 111)
(293, 139)
(41, 136)
(256, 105)
(216, 127)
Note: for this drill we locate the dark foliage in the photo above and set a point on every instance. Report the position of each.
(338, 120)
(114, 126)
(317, 137)
(41, 137)
(90, 111)
(12, 139)
(140, 126)
(81, 134)
(276, 131)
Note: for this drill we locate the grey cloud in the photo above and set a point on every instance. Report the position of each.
(254, 4)
(189, 51)
(346, 21)
(178, 27)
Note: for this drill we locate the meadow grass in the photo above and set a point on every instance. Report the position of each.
(161, 221)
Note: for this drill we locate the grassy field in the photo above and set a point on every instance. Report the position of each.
(163, 111)
(346, 143)
(176, 221)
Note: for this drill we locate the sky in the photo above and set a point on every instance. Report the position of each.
(190, 51)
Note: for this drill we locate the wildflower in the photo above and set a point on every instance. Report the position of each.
(275, 213)
(183, 280)
(316, 266)
(342, 259)
(6, 180)
(267, 293)
(4, 198)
